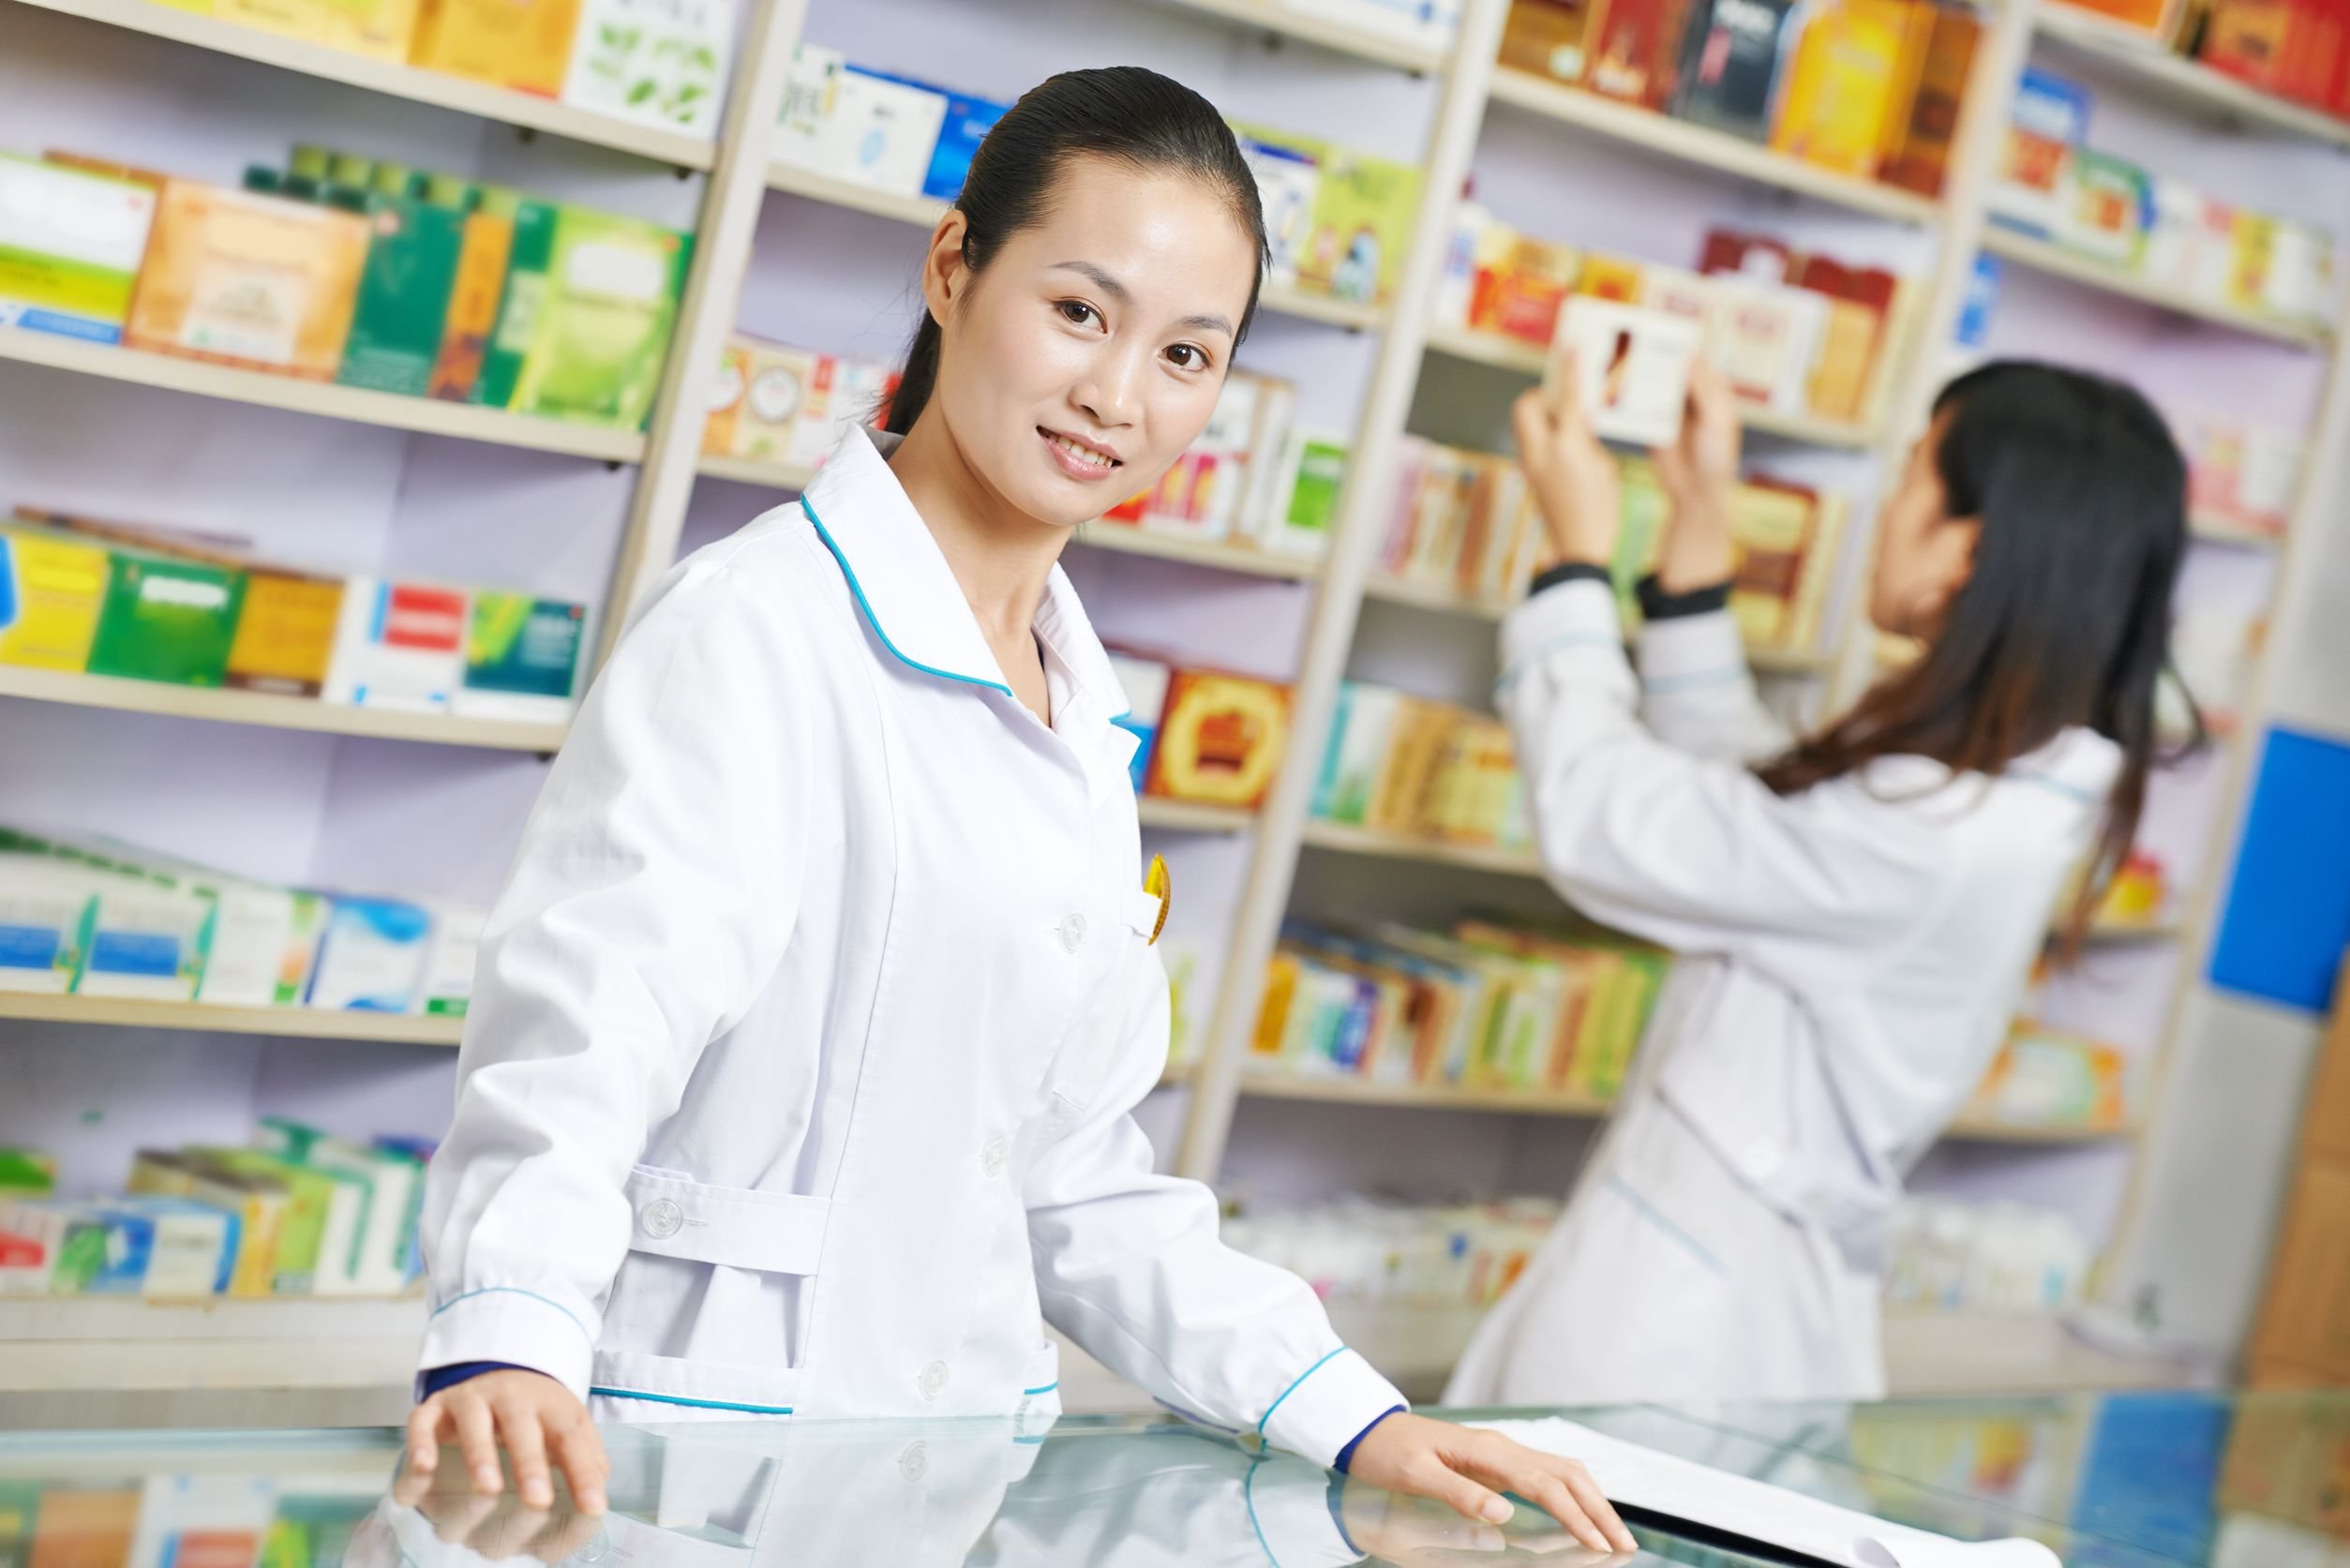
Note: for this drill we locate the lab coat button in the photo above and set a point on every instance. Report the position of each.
(932, 1381)
(1073, 932)
(992, 1156)
(915, 1462)
(661, 1218)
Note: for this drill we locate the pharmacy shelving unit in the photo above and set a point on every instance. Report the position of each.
(665, 461)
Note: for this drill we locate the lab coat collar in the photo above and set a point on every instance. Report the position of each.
(909, 593)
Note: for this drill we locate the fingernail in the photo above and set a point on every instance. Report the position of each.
(1498, 1510)
(539, 1495)
(486, 1477)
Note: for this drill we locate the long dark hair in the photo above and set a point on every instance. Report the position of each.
(2065, 620)
(1136, 116)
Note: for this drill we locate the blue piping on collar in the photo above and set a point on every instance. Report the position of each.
(874, 621)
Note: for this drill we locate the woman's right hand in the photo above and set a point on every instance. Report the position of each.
(1574, 479)
(1698, 473)
(533, 1417)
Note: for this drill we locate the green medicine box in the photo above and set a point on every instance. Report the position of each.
(404, 289)
(166, 620)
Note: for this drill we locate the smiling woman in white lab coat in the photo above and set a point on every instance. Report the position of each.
(1854, 917)
(798, 1073)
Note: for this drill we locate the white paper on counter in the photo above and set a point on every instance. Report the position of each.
(1678, 1488)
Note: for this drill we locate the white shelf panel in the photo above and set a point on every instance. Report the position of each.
(1273, 17)
(283, 1023)
(1707, 148)
(2184, 83)
(1125, 538)
(442, 91)
(1189, 816)
(273, 711)
(1451, 601)
(1433, 1096)
(2042, 257)
(106, 1343)
(425, 415)
(1524, 359)
(925, 211)
(1977, 1129)
(1350, 840)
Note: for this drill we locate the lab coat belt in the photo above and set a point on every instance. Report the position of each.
(674, 1216)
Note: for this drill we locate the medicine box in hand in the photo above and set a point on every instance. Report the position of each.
(1633, 365)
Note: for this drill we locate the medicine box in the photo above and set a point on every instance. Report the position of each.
(52, 591)
(45, 910)
(71, 244)
(522, 658)
(249, 279)
(659, 62)
(523, 44)
(1631, 366)
(1221, 739)
(398, 645)
(372, 956)
(601, 332)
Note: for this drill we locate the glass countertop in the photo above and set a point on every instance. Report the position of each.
(2120, 1481)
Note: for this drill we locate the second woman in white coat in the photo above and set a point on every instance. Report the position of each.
(798, 1076)
(1852, 914)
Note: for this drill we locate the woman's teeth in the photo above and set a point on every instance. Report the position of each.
(1084, 454)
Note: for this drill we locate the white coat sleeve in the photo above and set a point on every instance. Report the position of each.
(1129, 1265)
(1698, 694)
(652, 895)
(1693, 853)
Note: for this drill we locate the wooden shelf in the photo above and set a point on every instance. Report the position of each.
(1189, 816)
(1271, 16)
(1438, 1097)
(1707, 148)
(271, 711)
(283, 1023)
(1524, 359)
(749, 470)
(2185, 83)
(1349, 840)
(925, 211)
(1451, 601)
(437, 88)
(2212, 529)
(2042, 257)
(1350, 314)
(425, 415)
(1979, 1129)
(1129, 540)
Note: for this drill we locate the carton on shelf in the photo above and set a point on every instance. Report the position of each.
(522, 44)
(659, 62)
(248, 279)
(601, 334)
(71, 246)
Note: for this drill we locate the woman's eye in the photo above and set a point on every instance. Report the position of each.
(1187, 356)
(1077, 312)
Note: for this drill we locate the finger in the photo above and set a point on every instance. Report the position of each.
(1597, 1508)
(477, 1436)
(423, 1438)
(526, 1445)
(1530, 421)
(1463, 1495)
(581, 1453)
(1563, 383)
(1549, 1492)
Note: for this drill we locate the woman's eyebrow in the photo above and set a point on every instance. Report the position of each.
(1120, 295)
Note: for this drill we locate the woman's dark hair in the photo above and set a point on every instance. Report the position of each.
(1135, 116)
(2065, 619)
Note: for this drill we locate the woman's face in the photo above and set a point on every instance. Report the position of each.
(1089, 355)
(1923, 555)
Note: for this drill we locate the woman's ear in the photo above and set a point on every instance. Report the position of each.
(944, 272)
(1948, 564)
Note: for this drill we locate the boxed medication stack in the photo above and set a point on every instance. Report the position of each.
(71, 243)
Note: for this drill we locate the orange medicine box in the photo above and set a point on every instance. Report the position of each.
(1221, 739)
(248, 279)
(523, 44)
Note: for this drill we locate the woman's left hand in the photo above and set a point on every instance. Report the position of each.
(1469, 1470)
(1575, 483)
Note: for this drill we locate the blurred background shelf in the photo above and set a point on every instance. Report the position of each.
(283, 1023)
(1273, 17)
(1441, 1097)
(2186, 85)
(392, 412)
(1347, 839)
(271, 710)
(1707, 148)
(1189, 816)
(2042, 257)
(437, 88)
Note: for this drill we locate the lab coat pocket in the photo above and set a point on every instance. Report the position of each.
(768, 1233)
(1093, 1052)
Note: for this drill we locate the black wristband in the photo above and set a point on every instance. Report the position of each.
(1568, 571)
(1657, 604)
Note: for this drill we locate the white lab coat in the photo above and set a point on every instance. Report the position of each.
(1848, 959)
(800, 1060)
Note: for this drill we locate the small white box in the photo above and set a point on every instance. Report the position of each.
(1632, 365)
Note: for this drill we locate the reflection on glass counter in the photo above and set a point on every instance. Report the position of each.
(2128, 1481)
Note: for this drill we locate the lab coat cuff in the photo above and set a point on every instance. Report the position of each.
(1691, 650)
(1289, 1504)
(1576, 617)
(1331, 1402)
(519, 1327)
